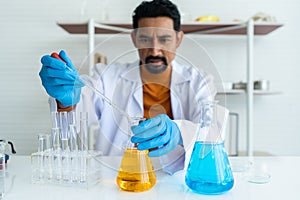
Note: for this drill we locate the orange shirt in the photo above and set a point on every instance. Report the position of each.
(156, 93)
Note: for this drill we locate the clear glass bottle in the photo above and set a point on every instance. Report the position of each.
(136, 172)
(209, 170)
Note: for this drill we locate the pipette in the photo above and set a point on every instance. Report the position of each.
(87, 81)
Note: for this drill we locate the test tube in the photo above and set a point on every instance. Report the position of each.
(83, 147)
(64, 126)
(72, 118)
(48, 158)
(72, 131)
(57, 174)
(37, 161)
(65, 151)
(83, 134)
(41, 147)
(55, 131)
(74, 162)
(44, 159)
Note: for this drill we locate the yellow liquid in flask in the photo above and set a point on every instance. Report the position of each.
(136, 172)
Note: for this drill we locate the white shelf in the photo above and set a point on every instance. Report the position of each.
(255, 92)
(229, 28)
(266, 92)
(229, 92)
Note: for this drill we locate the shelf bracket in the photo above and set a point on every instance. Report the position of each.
(91, 39)
(250, 38)
(91, 44)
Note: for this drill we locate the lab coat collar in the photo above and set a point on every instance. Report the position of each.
(134, 82)
(179, 73)
(133, 72)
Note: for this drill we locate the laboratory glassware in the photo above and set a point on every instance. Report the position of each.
(41, 161)
(65, 150)
(13, 151)
(209, 170)
(74, 163)
(2, 169)
(3, 165)
(83, 145)
(258, 173)
(136, 172)
(47, 158)
(56, 148)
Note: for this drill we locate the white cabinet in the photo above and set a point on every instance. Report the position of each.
(249, 29)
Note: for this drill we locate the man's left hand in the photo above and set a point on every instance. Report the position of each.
(159, 133)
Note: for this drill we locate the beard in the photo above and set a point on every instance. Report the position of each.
(156, 64)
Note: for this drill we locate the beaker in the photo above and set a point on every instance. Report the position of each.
(136, 172)
(209, 170)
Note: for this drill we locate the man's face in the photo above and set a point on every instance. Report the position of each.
(157, 42)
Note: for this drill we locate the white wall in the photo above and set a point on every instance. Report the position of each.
(28, 30)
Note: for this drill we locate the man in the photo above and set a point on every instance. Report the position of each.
(165, 93)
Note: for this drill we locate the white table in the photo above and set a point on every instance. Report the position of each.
(284, 171)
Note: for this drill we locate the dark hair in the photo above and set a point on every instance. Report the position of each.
(156, 8)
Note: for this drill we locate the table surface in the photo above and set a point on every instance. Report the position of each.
(283, 184)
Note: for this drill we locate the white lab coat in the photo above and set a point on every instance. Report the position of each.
(122, 84)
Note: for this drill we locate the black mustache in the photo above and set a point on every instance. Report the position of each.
(156, 58)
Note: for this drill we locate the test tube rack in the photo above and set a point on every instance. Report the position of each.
(80, 169)
(63, 157)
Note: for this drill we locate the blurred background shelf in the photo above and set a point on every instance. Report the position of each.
(232, 28)
(255, 92)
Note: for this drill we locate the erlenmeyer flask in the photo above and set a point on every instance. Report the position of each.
(209, 171)
(136, 172)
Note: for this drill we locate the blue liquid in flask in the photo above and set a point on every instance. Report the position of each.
(209, 171)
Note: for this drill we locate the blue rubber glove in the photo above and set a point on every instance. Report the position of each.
(159, 133)
(61, 79)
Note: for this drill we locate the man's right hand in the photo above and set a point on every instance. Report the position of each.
(61, 79)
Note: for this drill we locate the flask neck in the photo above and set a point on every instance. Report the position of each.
(210, 131)
(134, 122)
(209, 134)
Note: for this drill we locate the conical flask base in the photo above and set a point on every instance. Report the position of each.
(209, 174)
(136, 172)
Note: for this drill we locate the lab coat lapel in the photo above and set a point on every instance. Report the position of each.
(138, 101)
(134, 82)
(177, 99)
